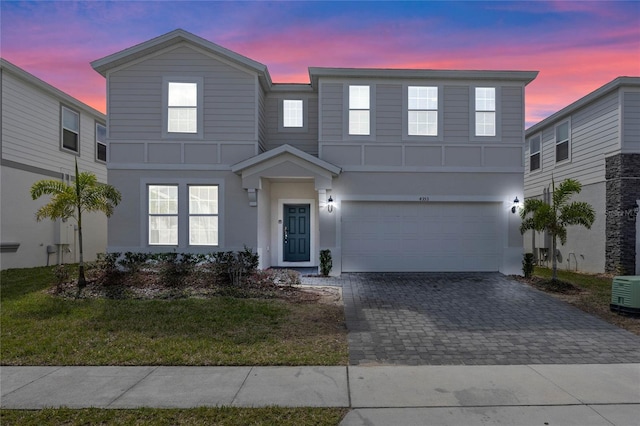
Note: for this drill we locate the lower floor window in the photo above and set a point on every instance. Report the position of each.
(203, 215)
(169, 217)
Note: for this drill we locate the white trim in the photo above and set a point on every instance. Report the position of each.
(313, 222)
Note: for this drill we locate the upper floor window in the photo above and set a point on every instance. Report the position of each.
(292, 113)
(534, 153)
(359, 110)
(485, 111)
(163, 214)
(101, 142)
(70, 129)
(203, 215)
(423, 111)
(182, 114)
(562, 141)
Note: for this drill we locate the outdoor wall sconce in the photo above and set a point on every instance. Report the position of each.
(330, 204)
(515, 205)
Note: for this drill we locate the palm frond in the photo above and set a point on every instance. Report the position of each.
(564, 191)
(578, 213)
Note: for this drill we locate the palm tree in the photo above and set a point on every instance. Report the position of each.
(86, 195)
(554, 218)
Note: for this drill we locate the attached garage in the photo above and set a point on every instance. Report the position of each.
(420, 237)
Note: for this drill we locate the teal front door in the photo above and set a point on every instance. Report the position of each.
(297, 233)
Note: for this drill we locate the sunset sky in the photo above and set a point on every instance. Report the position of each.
(577, 46)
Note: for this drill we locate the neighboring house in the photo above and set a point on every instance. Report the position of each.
(596, 141)
(392, 170)
(43, 131)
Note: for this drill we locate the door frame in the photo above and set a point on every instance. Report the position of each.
(313, 223)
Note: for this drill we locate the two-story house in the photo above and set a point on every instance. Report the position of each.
(43, 131)
(596, 141)
(392, 170)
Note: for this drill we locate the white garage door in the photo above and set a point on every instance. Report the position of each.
(413, 237)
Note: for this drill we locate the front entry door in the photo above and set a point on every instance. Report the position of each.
(297, 233)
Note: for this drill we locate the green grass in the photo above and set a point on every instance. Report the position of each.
(594, 296)
(39, 329)
(227, 416)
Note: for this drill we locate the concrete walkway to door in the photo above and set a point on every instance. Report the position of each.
(471, 319)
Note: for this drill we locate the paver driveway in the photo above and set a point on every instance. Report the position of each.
(478, 318)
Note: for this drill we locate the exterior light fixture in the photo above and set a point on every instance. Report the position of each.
(330, 204)
(515, 205)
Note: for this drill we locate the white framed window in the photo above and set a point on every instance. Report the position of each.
(203, 215)
(534, 153)
(101, 142)
(70, 124)
(182, 113)
(183, 105)
(485, 111)
(562, 142)
(359, 110)
(422, 105)
(292, 113)
(163, 214)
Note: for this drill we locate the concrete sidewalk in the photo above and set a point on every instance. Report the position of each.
(585, 394)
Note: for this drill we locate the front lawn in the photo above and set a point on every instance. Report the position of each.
(592, 295)
(40, 329)
(227, 416)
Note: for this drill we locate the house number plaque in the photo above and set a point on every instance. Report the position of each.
(423, 199)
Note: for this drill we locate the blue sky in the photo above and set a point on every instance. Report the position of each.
(577, 46)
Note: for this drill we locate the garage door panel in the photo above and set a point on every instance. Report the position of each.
(387, 236)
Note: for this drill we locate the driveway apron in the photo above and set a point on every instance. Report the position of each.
(472, 319)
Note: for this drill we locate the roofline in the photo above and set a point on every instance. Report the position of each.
(54, 91)
(174, 37)
(523, 76)
(585, 100)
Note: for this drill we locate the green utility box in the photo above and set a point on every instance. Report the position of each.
(625, 294)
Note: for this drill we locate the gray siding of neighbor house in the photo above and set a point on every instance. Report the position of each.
(605, 158)
(31, 150)
(594, 133)
(231, 122)
(631, 123)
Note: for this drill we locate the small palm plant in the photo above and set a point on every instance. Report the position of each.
(555, 217)
(70, 201)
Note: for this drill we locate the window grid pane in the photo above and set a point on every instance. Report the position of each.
(485, 99)
(358, 122)
(358, 97)
(292, 113)
(485, 124)
(183, 94)
(163, 230)
(203, 230)
(183, 120)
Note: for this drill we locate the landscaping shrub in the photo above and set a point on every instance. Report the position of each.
(326, 262)
(234, 267)
(527, 265)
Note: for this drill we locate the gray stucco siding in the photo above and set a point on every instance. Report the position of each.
(128, 225)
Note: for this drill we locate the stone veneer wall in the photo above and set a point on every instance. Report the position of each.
(623, 189)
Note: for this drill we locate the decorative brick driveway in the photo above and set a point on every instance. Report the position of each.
(478, 319)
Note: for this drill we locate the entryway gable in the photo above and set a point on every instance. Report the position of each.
(284, 161)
